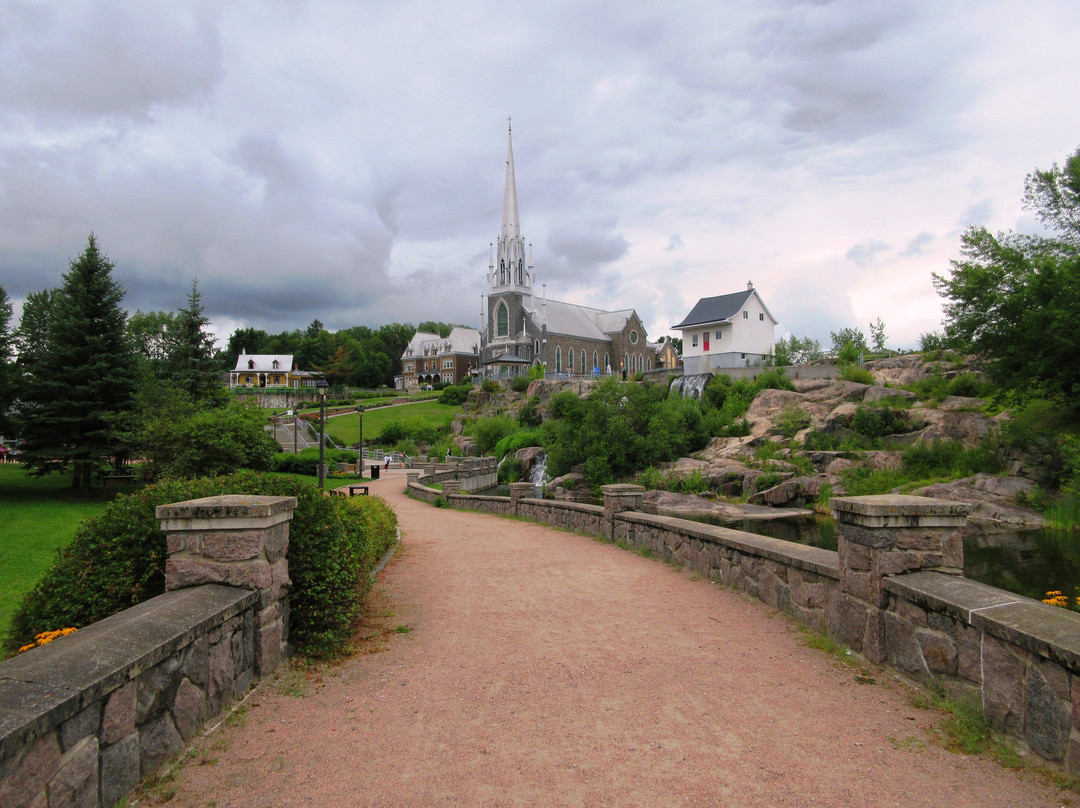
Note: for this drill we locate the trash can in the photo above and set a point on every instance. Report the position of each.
(375, 472)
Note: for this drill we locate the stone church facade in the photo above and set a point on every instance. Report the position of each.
(523, 330)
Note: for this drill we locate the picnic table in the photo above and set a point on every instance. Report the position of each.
(126, 475)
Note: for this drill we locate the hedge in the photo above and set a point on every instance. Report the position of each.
(117, 559)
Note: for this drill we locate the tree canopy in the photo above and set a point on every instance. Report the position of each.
(1015, 298)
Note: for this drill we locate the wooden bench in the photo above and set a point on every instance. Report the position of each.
(363, 489)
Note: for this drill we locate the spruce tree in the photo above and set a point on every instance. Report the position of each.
(85, 376)
(191, 365)
(7, 366)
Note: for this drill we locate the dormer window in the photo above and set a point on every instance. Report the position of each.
(276, 364)
(251, 364)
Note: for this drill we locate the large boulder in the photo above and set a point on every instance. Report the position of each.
(829, 390)
(968, 428)
(992, 498)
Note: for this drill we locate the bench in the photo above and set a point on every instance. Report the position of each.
(105, 476)
(363, 489)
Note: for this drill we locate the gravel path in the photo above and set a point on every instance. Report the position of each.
(534, 667)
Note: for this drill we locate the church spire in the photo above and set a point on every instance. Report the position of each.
(510, 225)
(509, 268)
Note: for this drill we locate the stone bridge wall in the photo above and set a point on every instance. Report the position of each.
(894, 592)
(85, 717)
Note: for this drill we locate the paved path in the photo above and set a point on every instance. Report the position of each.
(545, 668)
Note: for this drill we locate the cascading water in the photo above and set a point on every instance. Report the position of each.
(691, 386)
(538, 473)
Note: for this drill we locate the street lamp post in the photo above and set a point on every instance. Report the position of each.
(360, 412)
(322, 387)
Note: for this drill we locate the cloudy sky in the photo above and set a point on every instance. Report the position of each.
(344, 160)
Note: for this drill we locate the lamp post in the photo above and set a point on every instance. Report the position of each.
(360, 412)
(322, 387)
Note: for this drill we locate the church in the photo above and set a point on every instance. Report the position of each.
(523, 330)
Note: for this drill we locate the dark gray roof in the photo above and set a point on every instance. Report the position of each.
(716, 309)
(507, 359)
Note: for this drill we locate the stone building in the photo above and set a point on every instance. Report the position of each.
(523, 330)
(429, 358)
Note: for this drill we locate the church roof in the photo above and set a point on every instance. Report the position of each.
(572, 320)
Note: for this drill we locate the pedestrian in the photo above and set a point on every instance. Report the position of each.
(448, 454)
(386, 461)
(3, 453)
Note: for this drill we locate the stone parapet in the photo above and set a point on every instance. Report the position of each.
(240, 541)
(85, 717)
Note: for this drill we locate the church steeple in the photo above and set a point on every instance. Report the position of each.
(508, 268)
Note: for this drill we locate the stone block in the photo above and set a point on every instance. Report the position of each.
(865, 586)
(276, 542)
(268, 648)
(969, 653)
(953, 552)
(75, 784)
(855, 557)
(941, 622)
(808, 594)
(155, 689)
(1003, 686)
(189, 708)
(119, 769)
(184, 571)
(848, 619)
(897, 562)
(175, 542)
(1046, 718)
(159, 740)
(25, 776)
(195, 660)
(83, 723)
(919, 539)
(1072, 756)
(938, 652)
(118, 718)
(233, 545)
(908, 611)
(250, 574)
(1056, 677)
(901, 647)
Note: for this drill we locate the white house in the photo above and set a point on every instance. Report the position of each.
(726, 331)
(269, 370)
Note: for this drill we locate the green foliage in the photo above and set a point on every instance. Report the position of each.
(693, 483)
(791, 420)
(306, 462)
(877, 422)
(184, 441)
(190, 357)
(536, 372)
(795, 351)
(1015, 298)
(455, 394)
(518, 440)
(519, 383)
(117, 559)
(948, 459)
(487, 432)
(877, 335)
(529, 414)
(84, 377)
(490, 386)
(768, 480)
(511, 471)
(848, 354)
(7, 365)
(933, 341)
(854, 373)
(863, 481)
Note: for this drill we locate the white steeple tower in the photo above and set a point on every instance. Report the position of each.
(508, 269)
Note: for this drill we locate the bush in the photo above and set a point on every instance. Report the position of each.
(511, 470)
(307, 461)
(518, 440)
(489, 431)
(529, 414)
(490, 386)
(947, 459)
(877, 422)
(117, 559)
(968, 386)
(790, 421)
(854, 373)
(455, 395)
(519, 383)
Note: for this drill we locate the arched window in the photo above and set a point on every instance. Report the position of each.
(536, 347)
(595, 360)
(558, 359)
(502, 320)
(626, 362)
(570, 358)
(584, 362)
(607, 362)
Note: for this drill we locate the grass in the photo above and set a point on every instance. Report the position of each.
(965, 728)
(41, 515)
(431, 413)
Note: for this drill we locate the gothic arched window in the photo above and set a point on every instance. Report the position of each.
(584, 367)
(502, 320)
(558, 359)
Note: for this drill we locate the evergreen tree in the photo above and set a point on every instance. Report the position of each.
(33, 331)
(191, 365)
(85, 376)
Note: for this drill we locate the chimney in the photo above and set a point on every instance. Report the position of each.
(749, 286)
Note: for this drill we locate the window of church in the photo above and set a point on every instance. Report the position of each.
(558, 360)
(584, 366)
(570, 356)
(633, 337)
(502, 321)
(595, 361)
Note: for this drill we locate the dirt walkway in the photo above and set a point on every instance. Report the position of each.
(534, 667)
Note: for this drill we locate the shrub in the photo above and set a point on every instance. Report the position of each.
(455, 394)
(791, 420)
(117, 559)
(967, 385)
(854, 373)
(307, 461)
(947, 459)
(490, 386)
(819, 441)
(877, 422)
(529, 414)
(511, 470)
(862, 481)
(518, 440)
(768, 480)
(489, 431)
(650, 479)
(519, 383)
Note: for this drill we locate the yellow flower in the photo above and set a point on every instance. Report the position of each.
(47, 637)
(1055, 598)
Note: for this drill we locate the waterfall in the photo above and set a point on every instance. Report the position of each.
(691, 386)
(538, 473)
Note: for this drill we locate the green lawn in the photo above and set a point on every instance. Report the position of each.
(39, 515)
(346, 428)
